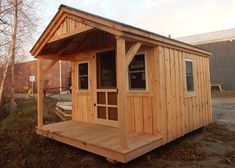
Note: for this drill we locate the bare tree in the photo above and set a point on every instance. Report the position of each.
(18, 22)
(12, 52)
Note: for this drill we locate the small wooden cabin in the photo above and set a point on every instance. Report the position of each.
(132, 90)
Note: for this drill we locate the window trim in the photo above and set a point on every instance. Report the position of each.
(189, 93)
(146, 75)
(88, 76)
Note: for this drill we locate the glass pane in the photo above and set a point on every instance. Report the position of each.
(83, 69)
(137, 80)
(137, 63)
(112, 98)
(189, 68)
(106, 69)
(101, 112)
(83, 82)
(101, 98)
(190, 86)
(112, 113)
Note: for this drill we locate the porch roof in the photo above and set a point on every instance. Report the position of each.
(116, 28)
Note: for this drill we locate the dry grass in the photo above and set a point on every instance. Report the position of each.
(21, 147)
(223, 94)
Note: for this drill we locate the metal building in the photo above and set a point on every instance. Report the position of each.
(222, 62)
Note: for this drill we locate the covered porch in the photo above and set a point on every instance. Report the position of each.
(101, 140)
(101, 122)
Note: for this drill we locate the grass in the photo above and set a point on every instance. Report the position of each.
(17, 134)
(21, 147)
(223, 94)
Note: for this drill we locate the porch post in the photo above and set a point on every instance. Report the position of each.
(39, 92)
(121, 85)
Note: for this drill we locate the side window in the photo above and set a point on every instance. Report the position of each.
(83, 76)
(189, 75)
(136, 73)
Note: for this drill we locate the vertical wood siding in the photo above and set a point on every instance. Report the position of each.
(164, 108)
(184, 113)
(83, 101)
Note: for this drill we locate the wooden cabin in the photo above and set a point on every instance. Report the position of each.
(132, 90)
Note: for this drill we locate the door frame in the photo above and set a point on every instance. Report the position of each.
(106, 121)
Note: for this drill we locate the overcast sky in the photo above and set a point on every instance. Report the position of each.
(175, 17)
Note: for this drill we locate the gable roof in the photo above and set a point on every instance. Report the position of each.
(210, 37)
(108, 25)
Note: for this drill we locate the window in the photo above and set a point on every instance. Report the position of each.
(83, 76)
(189, 75)
(106, 70)
(136, 73)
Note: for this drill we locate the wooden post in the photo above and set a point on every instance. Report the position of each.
(40, 92)
(121, 85)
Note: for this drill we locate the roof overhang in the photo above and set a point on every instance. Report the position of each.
(116, 28)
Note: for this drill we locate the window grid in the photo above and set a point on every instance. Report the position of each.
(83, 76)
(137, 73)
(189, 75)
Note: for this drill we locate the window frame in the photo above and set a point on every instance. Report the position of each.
(146, 75)
(78, 76)
(193, 92)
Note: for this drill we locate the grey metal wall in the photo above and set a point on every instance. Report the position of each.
(222, 62)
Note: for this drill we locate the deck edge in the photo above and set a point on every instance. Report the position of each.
(84, 146)
(143, 150)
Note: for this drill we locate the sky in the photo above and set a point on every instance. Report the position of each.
(175, 17)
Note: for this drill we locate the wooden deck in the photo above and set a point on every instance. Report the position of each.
(102, 140)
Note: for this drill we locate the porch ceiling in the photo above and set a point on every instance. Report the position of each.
(67, 45)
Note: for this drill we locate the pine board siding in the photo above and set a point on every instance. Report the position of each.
(184, 113)
(112, 117)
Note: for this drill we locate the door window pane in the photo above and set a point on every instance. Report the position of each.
(101, 112)
(112, 113)
(106, 70)
(101, 98)
(112, 98)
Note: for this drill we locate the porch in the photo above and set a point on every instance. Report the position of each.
(99, 139)
(121, 124)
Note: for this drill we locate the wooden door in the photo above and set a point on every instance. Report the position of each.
(106, 91)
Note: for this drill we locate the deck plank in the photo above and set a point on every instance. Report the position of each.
(100, 138)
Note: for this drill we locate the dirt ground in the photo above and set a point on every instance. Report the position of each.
(210, 147)
(224, 111)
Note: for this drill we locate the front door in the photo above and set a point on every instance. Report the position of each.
(106, 92)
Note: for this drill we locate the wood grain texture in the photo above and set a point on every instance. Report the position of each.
(40, 82)
(165, 108)
(100, 139)
(122, 87)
